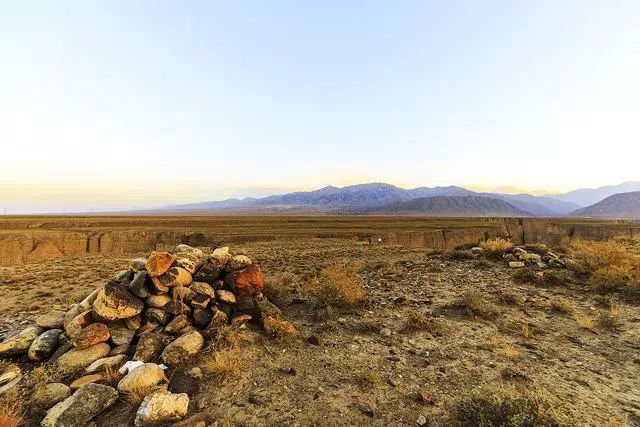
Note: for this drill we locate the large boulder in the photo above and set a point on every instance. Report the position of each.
(143, 377)
(249, 280)
(162, 407)
(51, 320)
(116, 302)
(183, 348)
(159, 262)
(81, 406)
(49, 394)
(92, 334)
(43, 347)
(76, 358)
(20, 343)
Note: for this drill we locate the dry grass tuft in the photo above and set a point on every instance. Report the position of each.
(279, 288)
(613, 318)
(524, 275)
(561, 305)
(228, 337)
(417, 321)
(223, 366)
(279, 329)
(368, 380)
(477, 306)
(609, 279)
(586, 321)
(496, 247)
(11, 414)
(340, 284)
(133, 398)
(498, 405)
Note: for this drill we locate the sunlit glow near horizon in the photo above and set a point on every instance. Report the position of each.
(119, 105)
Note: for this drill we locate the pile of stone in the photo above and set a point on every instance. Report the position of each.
(520, 257)
(153, 316)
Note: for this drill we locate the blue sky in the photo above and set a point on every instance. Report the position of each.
(119, 104)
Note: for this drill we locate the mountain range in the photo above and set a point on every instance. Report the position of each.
(445, 201)
(622, 205)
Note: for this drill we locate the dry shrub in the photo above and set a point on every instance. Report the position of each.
(506, 349)
(477, 306)
(279, 329)
(596, 255)
(561, 305)
(223, 366)
(279, 287)
(134, 397)
(461, 255)
(368, 380)
(608, 279)
(499, 405)
(555, 277)
(11, 414)
(509, 298)
(524, 275)
(340, 284)
(417, 321)
(586, 321)
(613, 317)
(228, 337)
(496, 247)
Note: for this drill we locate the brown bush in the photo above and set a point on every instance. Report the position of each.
(340, 284)
(496, 247)
(612, 278)
(596, 255)
(279, 288)
(477, 306)
(279, 329)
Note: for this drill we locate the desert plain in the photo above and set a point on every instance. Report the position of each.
(396, 321)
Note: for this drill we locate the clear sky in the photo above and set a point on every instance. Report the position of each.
(120, 104)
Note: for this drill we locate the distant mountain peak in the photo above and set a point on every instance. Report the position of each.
(622, 205)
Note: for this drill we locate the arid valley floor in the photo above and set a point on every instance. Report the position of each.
(437, 337)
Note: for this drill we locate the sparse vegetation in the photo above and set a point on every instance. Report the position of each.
(476, 305)
(613, 317)
(340, 284)
(11, 413)
(561, 305)
(461, 255)
(496, 247)
(491, 406)
(417, 321)
(279, 329)
(524, 275)
(222, 366)
(586, 321)
(279, 287)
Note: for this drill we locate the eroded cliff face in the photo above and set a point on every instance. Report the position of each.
(33, 241)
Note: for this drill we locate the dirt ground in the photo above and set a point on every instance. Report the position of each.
(373, 367)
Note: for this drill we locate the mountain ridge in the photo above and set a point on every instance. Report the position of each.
(622, 205)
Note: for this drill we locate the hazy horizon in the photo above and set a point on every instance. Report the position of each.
(113, 105)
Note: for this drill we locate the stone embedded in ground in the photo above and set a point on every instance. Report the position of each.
(111, 362)
(51, 320)
(49, 394)
(77, 409)
(150, 345)
(157, 301)
(116, 302)
(162, 407)
(157, 315)
(183, 348)
(177, 324)
(20, 343)
(516, 264)
(80, 321)
(45, 345)
(175, 276)
(227, 297)
(120, 333)
(138, 286)
(76, 359)
(143, 377)
(203, 288)
(530, 257)
(92, 334)
(238, 262)
(84, 380)
(191, 259)
(249, 280)
(159, 262)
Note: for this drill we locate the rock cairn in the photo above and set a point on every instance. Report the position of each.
(155, 315)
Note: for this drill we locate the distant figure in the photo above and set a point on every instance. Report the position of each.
(369, 240)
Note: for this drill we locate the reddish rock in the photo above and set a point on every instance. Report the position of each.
(246, 281)
(159, 262)
(82, 320)
(95, 333)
